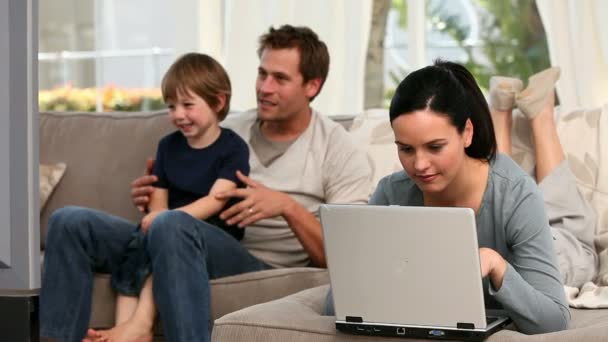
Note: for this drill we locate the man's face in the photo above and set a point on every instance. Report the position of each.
(281, 92)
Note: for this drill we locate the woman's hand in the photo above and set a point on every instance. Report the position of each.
(493, 265)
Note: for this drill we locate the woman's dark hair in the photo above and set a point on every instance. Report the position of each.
(448, 88)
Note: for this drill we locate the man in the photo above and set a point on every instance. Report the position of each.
(299, 159)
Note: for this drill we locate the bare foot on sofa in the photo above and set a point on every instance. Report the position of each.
(93, 336)
(129, 331)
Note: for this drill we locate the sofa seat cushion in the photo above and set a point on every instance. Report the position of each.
(228, 294)
(298, 318)
(233, 293)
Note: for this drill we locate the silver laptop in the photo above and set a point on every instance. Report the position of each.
(406, 271)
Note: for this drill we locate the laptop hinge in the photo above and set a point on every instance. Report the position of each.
(465, 325)
(354, 319)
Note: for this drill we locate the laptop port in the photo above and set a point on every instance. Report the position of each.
(436, 333)
(400, 331)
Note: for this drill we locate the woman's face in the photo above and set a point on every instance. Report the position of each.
(430, 148)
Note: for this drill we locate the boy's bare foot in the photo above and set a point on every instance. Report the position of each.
(128, 331)
(93, 336)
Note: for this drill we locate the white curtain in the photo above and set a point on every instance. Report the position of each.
(576, 34)
(342, 24)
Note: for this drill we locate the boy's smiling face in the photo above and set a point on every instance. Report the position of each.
(194, 118)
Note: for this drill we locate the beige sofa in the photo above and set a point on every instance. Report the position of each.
(298, 317)
(103, 154)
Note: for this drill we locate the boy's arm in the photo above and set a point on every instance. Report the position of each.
(159, 200)
(260, 202)
(209, 205)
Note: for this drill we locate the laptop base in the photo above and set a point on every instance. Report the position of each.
(371, 329)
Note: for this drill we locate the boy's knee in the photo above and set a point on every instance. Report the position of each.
(171, 228)
(67, 220)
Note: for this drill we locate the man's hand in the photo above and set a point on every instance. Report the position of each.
(259, 202)
(493, 265)
(141, 188)
(146, 222)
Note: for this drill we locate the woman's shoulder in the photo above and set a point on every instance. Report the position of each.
(506, 169)
(397, 178)
(397, 188)
(510, 179)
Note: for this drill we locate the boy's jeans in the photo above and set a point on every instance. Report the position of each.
(185, 253)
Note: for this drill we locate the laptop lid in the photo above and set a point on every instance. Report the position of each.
(414, 266)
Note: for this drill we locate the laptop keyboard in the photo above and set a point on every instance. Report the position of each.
(490, 320)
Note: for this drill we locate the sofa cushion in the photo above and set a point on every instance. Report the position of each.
(228, 294)
(372, 130)
(298, 318)
(104, 151)
(49, 176)
(585, 146)
(236, 292)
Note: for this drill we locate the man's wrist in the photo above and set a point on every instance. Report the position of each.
(290, 207)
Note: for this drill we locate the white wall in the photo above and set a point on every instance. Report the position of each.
(342, 24)
(19, 213)
(5, 234)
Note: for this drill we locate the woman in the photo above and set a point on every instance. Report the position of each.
(445, 139)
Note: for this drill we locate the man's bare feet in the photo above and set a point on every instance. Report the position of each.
(129, 331)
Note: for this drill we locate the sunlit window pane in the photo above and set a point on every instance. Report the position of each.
(488, 37)
(98, 56)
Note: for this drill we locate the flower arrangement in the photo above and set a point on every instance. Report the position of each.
(67, 99)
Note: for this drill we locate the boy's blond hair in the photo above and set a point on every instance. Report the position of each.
(202, 75)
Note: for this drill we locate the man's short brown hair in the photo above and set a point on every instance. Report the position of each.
(314, 57)
(202, 75)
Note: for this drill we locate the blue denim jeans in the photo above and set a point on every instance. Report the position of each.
(185, 254)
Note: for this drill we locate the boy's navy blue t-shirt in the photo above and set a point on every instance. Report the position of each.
(189, 173)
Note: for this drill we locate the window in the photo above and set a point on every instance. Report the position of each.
(488, 37)
(99, 56)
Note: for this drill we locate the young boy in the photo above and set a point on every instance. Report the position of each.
(197, 161)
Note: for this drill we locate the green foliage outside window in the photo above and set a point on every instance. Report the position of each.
(513, 38)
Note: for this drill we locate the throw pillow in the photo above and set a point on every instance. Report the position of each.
(50, 175)
(372, 130)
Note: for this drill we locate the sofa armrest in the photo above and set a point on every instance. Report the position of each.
(227, 294)
(233, 293)
(298, 318)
